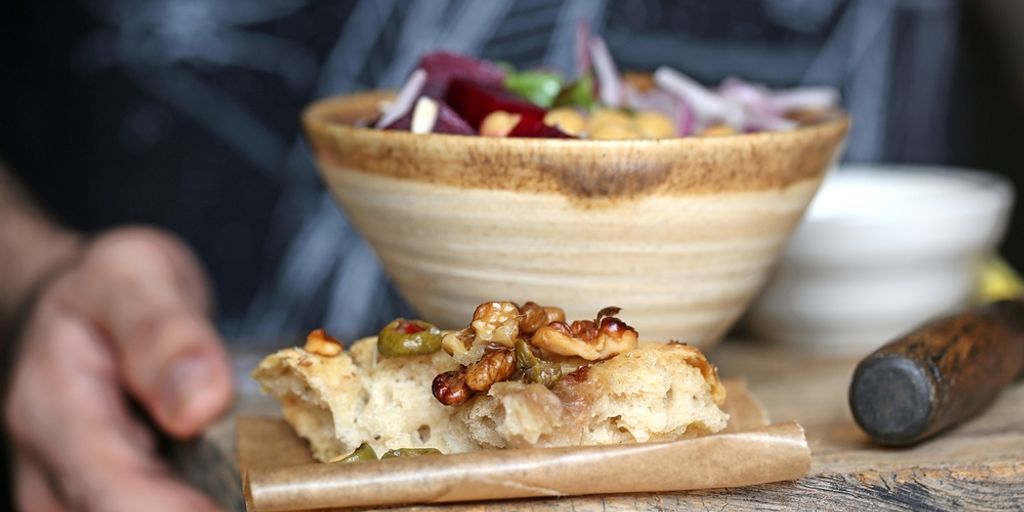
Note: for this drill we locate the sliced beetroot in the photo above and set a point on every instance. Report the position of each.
(448, 121)
(473, 101)
(535, 128)
(403, 123)
(444, 67)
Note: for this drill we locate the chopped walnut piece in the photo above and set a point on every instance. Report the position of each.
(320, 343)
(496, 322)
(533, 316)
(457, 342)
(555, 314)
(592, 340)
(450, 387)
(455, 387)
(494, 366)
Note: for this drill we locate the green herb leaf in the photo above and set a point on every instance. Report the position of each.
(579, 94)
(537, 87)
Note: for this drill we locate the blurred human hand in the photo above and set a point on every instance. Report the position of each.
(127, 321)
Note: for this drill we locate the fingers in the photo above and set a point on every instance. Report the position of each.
(146, 292)
(32, 489)
(155, 492)
(67, 410)
(177, 366)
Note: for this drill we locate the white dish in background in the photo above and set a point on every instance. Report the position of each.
(881, 249)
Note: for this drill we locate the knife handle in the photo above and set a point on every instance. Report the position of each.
(942, 373)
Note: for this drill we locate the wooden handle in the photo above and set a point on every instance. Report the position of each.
(938, 375)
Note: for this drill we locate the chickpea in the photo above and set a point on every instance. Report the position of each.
(566, 119)
(653, 125)
(609, 131)
(606, 116)
(499, 123)
(642, 82)
(717, 130)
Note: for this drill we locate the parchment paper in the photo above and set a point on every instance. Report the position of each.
(279, 474)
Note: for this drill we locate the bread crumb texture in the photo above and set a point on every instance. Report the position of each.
(656, 392)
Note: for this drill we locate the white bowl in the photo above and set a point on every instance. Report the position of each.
(882, 249)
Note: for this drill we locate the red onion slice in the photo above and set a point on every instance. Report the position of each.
(404, 100)
(708, 107)
(447, 122)
(806, 98)
(752, 95)
(686, 121)
(582, 49)
(657, 100)
(779, 101)
(609, 85)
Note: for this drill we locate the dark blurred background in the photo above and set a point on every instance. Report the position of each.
(185, 113)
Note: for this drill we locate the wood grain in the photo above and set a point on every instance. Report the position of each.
(978, 465)
(940, 374)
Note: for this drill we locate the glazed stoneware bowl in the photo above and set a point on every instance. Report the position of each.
(680, 233)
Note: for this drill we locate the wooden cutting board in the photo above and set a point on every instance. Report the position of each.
(977, 466)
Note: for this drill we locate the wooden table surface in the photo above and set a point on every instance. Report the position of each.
(977, 466)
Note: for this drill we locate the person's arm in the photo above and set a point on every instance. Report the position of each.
(31, 246)
(109, 322)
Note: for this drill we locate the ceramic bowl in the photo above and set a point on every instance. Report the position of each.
(882, 249)
(680, 233)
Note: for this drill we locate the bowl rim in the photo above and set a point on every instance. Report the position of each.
(999, 192)
(582, 170)
(318, 114)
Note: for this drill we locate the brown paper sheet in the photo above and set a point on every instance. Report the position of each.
(279, 474)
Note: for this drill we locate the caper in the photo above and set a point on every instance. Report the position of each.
(525, 360)
(404, 337)
(533, 368)
(364, 452)
(409, 452)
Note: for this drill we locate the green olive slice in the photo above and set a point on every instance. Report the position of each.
(364, 452)
(409, 452)
(404, 337)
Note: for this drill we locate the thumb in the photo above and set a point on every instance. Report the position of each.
(140, 287)
(176, 366)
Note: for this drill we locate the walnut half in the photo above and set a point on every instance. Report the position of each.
(593, 340)
(533, 316)
(496, 322)
(494, 366)
(450, 388)
(458, 386)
